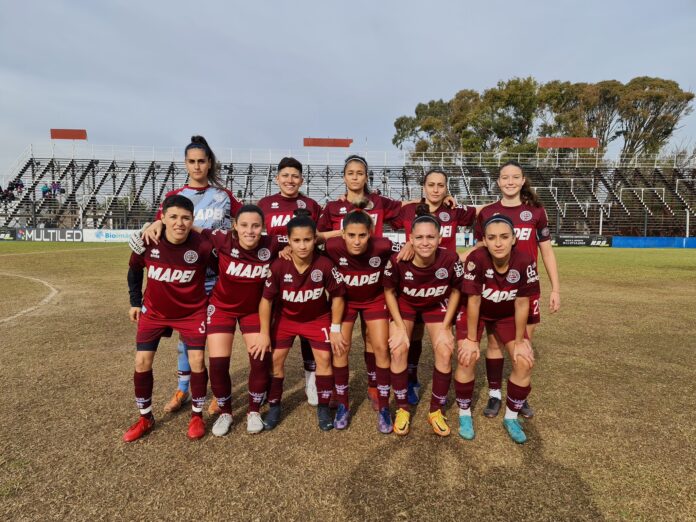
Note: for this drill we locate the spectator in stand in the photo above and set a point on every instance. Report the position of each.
(45, 190)
(19, 185)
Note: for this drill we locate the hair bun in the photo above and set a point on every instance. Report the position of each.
(361, 204)
(301, 212)
(422, 210)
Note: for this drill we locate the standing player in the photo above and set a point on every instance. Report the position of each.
(435, 194)
(360, 259)
(425, 287)
(295, 293)
(278, 210)
(500, 281)
(213, 206)
(175, 299)
(244, 257)
(521, 204)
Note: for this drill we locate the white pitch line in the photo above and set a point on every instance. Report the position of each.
(54, 251)
(44, 301)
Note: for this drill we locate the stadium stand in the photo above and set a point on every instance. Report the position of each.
(583, 195)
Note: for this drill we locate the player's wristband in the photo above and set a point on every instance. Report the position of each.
(335, 328)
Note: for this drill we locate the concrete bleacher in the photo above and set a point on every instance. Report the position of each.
(580, 199)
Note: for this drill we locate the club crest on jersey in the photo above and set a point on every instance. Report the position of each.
(441, 273)
(545, 232)
(301, 204)
(234, 252)
(375, 262)
(408, 276)
(287, 278)
(191, 256)
(489, 273)
(342, 261)
(155, 253)
(526, 215)
(264, 254)
(513, 276)
(211, 310)
(444, 216)
(470, 266)
(342, 210)
(317, 275)
(274, 204)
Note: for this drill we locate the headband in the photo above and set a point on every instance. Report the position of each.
(499, 218)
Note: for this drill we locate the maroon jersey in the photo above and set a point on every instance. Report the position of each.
(499, 291)
(449, 219)
(278, 210)
(301, 297)
(242, 272)
(381, 210)
(361, 274)
(531, 225)
(175, 276)
(423, 288)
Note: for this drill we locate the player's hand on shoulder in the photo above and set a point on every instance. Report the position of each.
(406, 253)
(134, 313)
(153, 232)
(286, 253)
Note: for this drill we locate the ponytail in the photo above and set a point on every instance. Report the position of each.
(199, 142)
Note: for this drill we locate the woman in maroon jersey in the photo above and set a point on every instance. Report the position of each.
(244, 257)
(295, 292)
(425, 287)
(520, 203)
(435, 195)
(278, 209)
(499, 281)
(360, 259)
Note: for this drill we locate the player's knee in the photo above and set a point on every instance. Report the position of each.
(522, 367)
(196, 360)
(323, 360)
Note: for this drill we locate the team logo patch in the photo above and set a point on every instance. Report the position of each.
(444, 216)
(220, 196)
(264, 254)
(342, 210)
(191, 256)
(317, 275)
(301, 204)
(545, 232)
(408, 276)
(211, 310)
(155, 253)
(526, 215)
(513, 276)
(441, 273)
(274, 204)
(375, 262)
(470, 266)
(343, 261)
(489, 273)
(234, 252)
(287, 278)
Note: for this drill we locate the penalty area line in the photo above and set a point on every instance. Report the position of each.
(53, 292)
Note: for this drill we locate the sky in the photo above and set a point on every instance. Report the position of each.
(266, 74)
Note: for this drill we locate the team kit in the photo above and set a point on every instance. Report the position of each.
(285, 268)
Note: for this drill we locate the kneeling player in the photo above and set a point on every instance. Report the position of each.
(175, 299)
(295, 292)
(499, 280)
(425, 287)
(360, 259)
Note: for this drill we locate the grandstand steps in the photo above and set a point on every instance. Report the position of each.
(62, 178)
(612, 192)
(60, 218)
(29, 197)
(116, 193)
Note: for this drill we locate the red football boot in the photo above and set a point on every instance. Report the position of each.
(373, 395)
(196, 428)
(139, 429)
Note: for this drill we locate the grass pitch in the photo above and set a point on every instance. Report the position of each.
(613, 389)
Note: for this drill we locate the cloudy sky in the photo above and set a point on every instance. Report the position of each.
(267, 74)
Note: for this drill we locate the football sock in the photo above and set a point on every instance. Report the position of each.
(341, 377)
(516, 395)
(143, 382)
(464, 392)
(400, 386)
(383, 387)
(325, 386)
(276, 392)
(307, 356)
(441, 383)
(414, 354)
(183, 369)
(494, 374)
(371, 366)
(258, 381)
(199, 387)
(220, 382)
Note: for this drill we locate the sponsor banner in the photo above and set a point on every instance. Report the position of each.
(8, 234)
(62, 235)
(90, 235)
(653, 242)
(568, 240)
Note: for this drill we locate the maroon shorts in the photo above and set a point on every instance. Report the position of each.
(434, 314)
(370, 311)
(503, 329)
(534, 309)
(222, 321)
(316, 331)
(191, 330)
